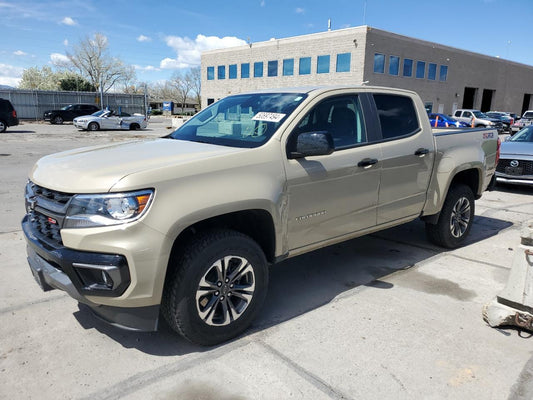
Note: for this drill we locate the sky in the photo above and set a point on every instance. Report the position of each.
(160, 38)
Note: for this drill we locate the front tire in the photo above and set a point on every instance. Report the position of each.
(58, 120)
(93, 126)
(216, 288)
(455, 219)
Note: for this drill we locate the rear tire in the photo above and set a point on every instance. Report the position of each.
(3, 126)
(134, 127)
(216, 288)
(455, 219)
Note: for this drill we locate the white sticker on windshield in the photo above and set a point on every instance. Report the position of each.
(268, 117)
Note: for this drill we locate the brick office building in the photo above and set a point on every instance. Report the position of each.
(445, 77)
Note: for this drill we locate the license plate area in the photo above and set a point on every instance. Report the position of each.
(513, 170)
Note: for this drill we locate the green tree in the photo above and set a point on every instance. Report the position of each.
(75, 83)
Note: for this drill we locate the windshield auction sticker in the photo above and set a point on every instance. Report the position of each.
(268, 117)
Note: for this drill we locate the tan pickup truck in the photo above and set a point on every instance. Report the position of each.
(185, 226)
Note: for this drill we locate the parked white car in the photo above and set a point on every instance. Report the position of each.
(109, 119)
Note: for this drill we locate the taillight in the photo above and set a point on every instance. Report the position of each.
(14, 114)
(498, 146)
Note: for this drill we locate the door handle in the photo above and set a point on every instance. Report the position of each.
(367, 162)
(421, 152)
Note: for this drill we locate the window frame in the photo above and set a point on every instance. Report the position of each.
(301, 65)
(340, 63)
(411, 61)
(245, 70)
(420, 63)
(221, 72)
(232, 71)
(259, 73)
(376, 113)
(288, 63)
(211, 73)
(383, 58)
(271, 70)
(321, 66)
(397, 58)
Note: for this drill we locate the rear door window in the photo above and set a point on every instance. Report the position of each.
(397, 115)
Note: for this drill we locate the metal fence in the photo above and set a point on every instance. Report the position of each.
(31, 104)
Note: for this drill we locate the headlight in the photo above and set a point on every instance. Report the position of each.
(90, 210)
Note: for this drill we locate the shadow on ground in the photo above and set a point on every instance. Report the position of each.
(304, 283)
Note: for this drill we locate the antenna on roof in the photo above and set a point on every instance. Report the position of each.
(329, 24)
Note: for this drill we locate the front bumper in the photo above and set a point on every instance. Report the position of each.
(85, 275)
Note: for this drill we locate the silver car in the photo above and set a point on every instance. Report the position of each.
(109, 119)
(516, 160)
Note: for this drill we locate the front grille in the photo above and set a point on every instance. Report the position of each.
(46, 211)
(46, 229)
(56, 197)
(527, 166)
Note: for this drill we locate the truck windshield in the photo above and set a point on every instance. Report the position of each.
(247, 120)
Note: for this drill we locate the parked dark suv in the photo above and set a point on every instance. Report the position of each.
(68, 113)
(8, 115)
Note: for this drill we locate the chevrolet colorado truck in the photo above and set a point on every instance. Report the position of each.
(185, 226)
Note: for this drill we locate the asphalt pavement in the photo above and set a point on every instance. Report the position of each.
(385, 316)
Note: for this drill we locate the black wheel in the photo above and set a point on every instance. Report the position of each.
(216, 288)
(455, 220)
(134, 127)
(93, 126)
(57, 120)
(3, 126)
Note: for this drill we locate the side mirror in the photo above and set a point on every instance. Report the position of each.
(308, 144)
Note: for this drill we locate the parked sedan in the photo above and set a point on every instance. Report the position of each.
(108, 119)
(438, 120)
(516, 160)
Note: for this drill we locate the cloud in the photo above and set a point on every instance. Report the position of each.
(68, 21)
(143, 38)
(10, 75)
(59, 59)
(262, 3)
(299, 10)
(20, 53)
(147, 68)
(189, 51)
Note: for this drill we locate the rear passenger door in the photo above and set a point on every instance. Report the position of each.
(407, 158)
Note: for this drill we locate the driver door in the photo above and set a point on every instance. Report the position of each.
(334, 195)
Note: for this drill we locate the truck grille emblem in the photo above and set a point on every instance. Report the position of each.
(514, 163)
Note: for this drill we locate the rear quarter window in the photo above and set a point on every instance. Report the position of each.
(397, 115)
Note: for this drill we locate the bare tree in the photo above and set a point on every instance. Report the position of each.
(183, 85)
(195, 76)
(91, 57)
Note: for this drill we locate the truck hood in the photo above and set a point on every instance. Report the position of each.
(97, 169)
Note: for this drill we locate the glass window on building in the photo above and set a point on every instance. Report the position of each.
(258, 69)
(394, 65)
(305, 66)
(443, 75)
(221, 72)
(420, 69)
(379, 63)
(273, 68)
(210, 73)
(343, 62)
(288, 67)
(233, 71)
(432, 71)
(407, 67)
(245, 70)
(322, 64)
